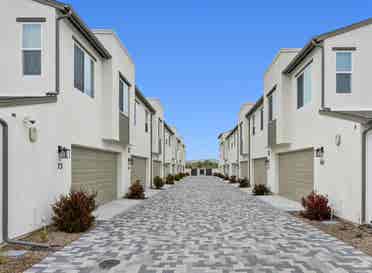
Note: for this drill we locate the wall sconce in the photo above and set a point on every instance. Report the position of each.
(338, 140)
(63, 152)
(319, 152)
(267, 163)
(130, 162)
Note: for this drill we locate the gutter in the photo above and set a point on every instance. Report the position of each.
(364, 170)
(151, 131)
(58, 19)
(5, 204)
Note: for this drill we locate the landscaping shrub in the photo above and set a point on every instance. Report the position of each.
(136, 191)
(177, 177)
(244, 183)
(261, 189)
(158, 182)
(316, 207)
(73, 212)
(233, 179)
(170, 179)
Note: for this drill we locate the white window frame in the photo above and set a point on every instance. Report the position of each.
(306, 69)
(345, 72)
(32, 49)
(86, 55)
(126, 96)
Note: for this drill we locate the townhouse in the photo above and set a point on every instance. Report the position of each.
(315, 116)
(169, 142)
(141, 149)
(223, 163)
(70, 113)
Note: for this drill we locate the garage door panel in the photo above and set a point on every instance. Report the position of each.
(94, 171)
(139, 170)
(260, 173)
(296, 171)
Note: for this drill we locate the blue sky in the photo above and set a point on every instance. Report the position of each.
(205, 58)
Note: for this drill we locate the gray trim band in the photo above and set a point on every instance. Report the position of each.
(352, 48)
(31, 19)
(22, 101)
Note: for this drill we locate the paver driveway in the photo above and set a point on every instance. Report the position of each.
(205, 226)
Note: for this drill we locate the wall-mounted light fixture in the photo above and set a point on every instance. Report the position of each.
(63, 152)
(267, 163)
(319, 152)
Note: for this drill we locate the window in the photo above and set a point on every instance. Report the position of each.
(123, 96)
(170, 140)
(146, 121)
(135, 112)
(31, 49)
(83, 71)
(262, 117)
(253, 125)
(304, 88)
(241, 137)
(343, 72)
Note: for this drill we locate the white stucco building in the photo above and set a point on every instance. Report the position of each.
(71, 114)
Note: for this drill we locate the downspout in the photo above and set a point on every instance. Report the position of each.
(152, 115)
(163, 150)
(5, 203)
(321, 46)
(249, 149)
(57, 41)
(364, 169)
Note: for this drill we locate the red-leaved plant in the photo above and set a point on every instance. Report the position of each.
(73, 212)
(316, 207)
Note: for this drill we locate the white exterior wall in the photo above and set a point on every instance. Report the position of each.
(13, 82)
(76, 119)
(360, 97)
(304, 128)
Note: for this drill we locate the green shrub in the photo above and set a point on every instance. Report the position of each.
(73, 212)
(316, 207)
(233, 179)
(244, 183)
(170, 179)
(136, 191)
(158, 182)
(261, 189)
(177, 177)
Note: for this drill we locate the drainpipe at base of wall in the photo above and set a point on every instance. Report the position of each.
(364, 170)
(5, 203)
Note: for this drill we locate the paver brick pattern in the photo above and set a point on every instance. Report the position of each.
(206, 226)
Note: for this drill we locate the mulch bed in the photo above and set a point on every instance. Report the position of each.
(359, 236)
(33, 256)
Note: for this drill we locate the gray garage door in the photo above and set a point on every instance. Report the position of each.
(244, 169)
(259, 170)
(296, 174)
(94, 171)
(139, 170)
(157, 168)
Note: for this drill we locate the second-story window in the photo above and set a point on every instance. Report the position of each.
(170, 140)
(146, 121)
(304, 88)
(261, 118)
(135, 112)
(123, 96)
(253, 125)
(31, 49)
(83, 71)
(343, 72)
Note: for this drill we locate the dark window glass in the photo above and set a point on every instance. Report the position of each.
(300, 91)
(343, 83)
(32, 62)
(121, 96)
(262, 117)
(79, 69)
